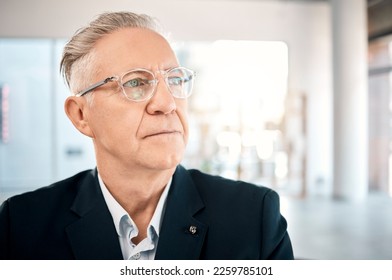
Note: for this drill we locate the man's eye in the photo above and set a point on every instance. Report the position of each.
(135, 83)
(176, 81)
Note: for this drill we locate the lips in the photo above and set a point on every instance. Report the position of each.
(162, 132)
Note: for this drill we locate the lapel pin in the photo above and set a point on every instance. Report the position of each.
(192, 229)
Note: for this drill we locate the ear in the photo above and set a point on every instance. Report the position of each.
(76, 109)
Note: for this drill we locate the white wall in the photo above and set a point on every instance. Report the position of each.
(304, 26)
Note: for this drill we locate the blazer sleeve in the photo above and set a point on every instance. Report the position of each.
(276, 244)
(4, 231)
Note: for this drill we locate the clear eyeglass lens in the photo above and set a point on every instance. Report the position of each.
(180, 82)
(139, 85)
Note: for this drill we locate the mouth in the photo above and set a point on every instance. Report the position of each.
(162, 133)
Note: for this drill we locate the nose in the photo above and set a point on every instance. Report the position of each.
(162, 102)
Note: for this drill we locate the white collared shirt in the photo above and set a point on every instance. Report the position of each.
(127, 229)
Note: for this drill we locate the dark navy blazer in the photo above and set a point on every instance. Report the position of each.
(206, 217)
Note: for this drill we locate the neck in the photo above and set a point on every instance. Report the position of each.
(136, 189)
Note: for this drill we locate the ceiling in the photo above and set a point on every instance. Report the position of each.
(379, 18)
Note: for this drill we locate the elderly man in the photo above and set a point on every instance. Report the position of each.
(130, 97)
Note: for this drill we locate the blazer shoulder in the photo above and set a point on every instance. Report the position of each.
(219, 190)
(54, 193)
(218, 183)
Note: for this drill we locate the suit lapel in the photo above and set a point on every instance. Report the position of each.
(93, 235)
(181, 235)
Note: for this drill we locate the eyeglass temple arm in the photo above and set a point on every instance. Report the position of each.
(94, 86)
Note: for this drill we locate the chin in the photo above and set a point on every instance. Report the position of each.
(167, 163)
(162, 157)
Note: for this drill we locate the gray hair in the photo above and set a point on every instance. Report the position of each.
(78, 52)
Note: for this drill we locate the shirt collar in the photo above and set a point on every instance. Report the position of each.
(117, 211)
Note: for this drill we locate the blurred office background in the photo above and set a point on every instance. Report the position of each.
(295, 95)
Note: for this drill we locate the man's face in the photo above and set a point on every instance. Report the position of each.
(151, 134)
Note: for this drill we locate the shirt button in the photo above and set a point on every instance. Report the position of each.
(136, 256)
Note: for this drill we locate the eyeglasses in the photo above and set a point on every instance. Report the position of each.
(140, 84)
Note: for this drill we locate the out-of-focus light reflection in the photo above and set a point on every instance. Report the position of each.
(265, 144)
(390, 174)
(281, 167)
(231, 140)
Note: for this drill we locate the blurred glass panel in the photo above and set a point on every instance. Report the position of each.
(42, 145)
(25, 159)
(380, 114)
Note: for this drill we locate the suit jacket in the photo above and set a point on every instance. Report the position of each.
(206, 217)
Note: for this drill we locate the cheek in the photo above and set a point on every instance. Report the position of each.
(182, 112)
(186, 134)
(114, 123)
